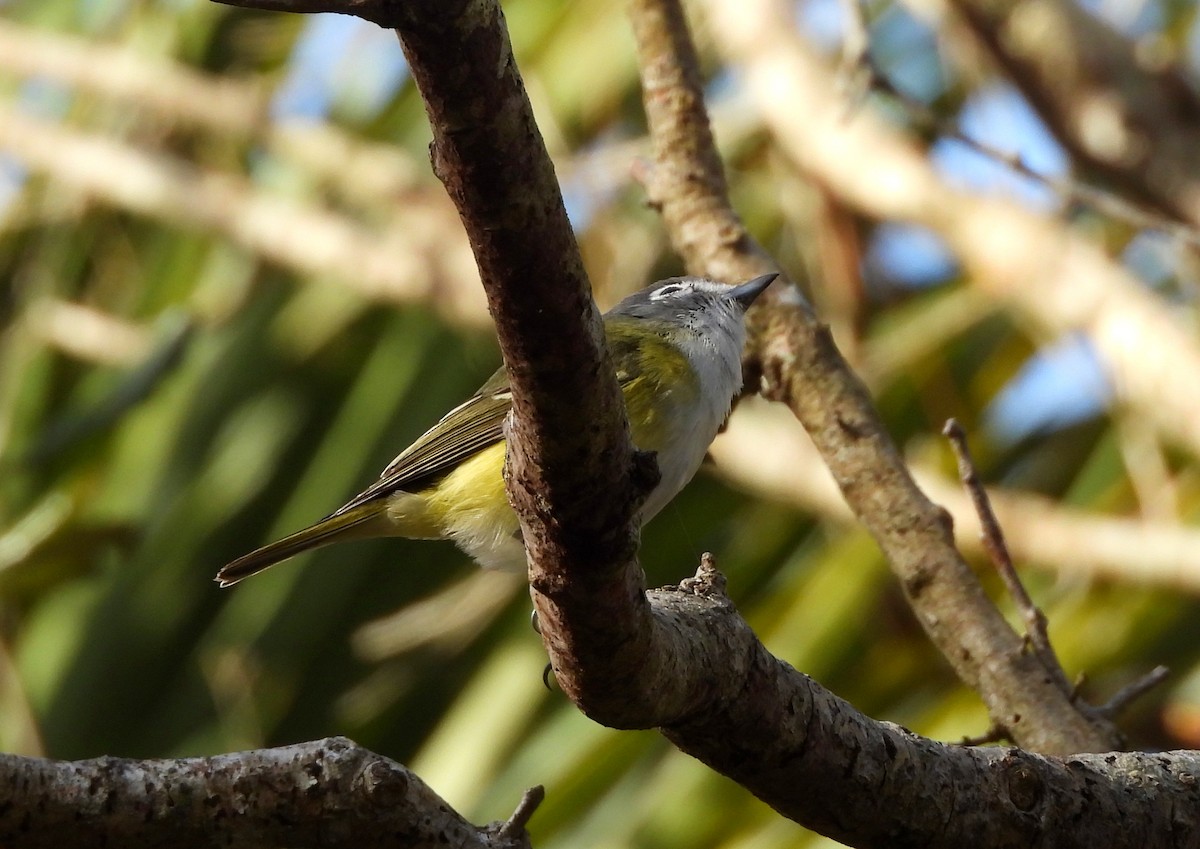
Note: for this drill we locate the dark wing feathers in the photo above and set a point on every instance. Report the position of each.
(470, 427)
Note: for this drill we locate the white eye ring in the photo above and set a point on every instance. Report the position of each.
(669, 289)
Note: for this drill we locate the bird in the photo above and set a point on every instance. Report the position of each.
(676, 347)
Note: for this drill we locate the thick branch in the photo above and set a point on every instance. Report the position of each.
(801, 366)
(573, 477)
(815, 759)
(327, 793)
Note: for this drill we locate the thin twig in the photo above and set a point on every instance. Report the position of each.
(1072, 542)
(993, 543)
(515, 824)
(1035, 620)
(993, 735)
(1133, 691)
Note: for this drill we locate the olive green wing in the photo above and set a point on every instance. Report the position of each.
(470, 427)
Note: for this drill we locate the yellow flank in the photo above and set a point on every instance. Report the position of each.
(470, 506)
(475, 488)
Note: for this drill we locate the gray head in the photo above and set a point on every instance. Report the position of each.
(692, 299)
(704, 321)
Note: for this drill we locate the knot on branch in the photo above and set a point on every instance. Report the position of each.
(1023, 783)
(383, 785)
(708, 582)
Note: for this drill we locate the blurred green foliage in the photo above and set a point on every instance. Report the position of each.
(170, 397)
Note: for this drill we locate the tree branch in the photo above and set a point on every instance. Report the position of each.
(812, 757)
(327, 793)
(801, 366)
(1036, 626)
(815, 759)
(573, 477)
(687, 181)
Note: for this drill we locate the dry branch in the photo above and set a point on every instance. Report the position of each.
(992, 536)
(800, 366)
(820, 762)
(327, 793)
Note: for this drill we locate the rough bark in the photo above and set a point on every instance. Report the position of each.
(327, 793)
(803, 750)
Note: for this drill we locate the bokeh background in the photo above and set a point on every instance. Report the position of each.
(231, 291)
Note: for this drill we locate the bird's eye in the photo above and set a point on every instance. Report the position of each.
(667, 291)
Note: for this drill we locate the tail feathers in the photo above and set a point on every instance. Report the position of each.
(352, 524)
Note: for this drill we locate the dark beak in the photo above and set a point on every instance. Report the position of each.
(747, 292)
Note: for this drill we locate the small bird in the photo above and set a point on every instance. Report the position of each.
(677, 349)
